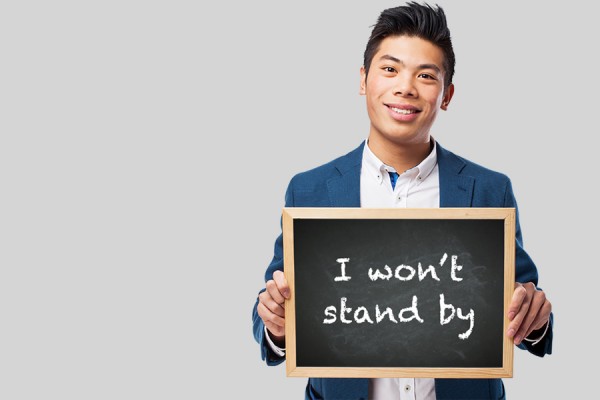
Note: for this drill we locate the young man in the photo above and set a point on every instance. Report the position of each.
(407, 79)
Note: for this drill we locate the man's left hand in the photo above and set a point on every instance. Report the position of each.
(529, 310)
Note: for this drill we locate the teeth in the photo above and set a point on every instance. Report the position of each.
(405, 112)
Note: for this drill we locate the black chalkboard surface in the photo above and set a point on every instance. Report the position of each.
(398, 292)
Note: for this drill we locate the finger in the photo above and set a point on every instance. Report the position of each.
(282, 284)
(525, 327)
(517, 300)
(277, 331)
(544, 315)
(274, 292)
(266, 299)
(521, 312)
(542, 318)
(268, 316)
(535, 306)
(263, 312)
(527, 313)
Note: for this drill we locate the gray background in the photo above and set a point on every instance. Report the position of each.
(145, 148)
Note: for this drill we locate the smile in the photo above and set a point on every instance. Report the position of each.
(404, 112)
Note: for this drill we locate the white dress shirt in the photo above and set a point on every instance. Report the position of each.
(417, 187)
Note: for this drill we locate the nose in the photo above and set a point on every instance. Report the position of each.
(405, 87)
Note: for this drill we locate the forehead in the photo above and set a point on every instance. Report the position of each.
(411, 50)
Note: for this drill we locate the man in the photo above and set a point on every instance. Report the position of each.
(406, 78)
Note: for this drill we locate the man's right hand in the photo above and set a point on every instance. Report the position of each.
(270, 307)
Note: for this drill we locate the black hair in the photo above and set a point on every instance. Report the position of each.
(417, 20)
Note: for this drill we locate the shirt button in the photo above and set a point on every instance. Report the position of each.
(407, 388)
(419, 178)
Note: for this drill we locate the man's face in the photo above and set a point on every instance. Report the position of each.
(405, 90)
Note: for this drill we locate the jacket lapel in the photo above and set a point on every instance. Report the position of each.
(344, 190)
(456, 190)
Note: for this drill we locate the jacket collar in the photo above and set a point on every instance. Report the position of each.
(344, 190)
(456, 189)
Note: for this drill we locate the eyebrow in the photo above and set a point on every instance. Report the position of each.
(421, 66)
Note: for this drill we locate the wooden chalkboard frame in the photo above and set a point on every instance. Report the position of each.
(292, 214)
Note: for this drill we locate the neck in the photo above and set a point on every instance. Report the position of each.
(400, 156)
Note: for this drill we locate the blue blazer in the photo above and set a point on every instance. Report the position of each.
(462, 184)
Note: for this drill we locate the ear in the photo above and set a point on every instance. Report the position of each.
(447, 97)
(363, 81)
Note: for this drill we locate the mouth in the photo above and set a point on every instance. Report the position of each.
(404, 109)
(403, 112)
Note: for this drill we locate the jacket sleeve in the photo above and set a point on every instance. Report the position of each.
(526, 271)
(258, 325)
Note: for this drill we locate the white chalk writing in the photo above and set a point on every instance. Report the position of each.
(407, 314)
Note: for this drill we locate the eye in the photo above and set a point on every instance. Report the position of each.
(389, 69)
(426, 76)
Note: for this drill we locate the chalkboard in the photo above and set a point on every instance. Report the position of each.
(398, 292)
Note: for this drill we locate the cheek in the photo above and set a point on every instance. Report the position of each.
(375, 91)
(435, 98)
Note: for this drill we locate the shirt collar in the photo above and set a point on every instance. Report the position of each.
(376, 168)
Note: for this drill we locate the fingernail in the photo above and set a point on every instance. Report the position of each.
(286, 293)
(511, 315)
(518, 340)
(511, 332)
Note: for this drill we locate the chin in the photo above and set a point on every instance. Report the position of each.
(407, 139)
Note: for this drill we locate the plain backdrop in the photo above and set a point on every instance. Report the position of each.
(145, 148)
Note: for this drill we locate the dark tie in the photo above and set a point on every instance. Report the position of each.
(393, 178)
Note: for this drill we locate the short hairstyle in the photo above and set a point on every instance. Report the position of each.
(417, 20)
